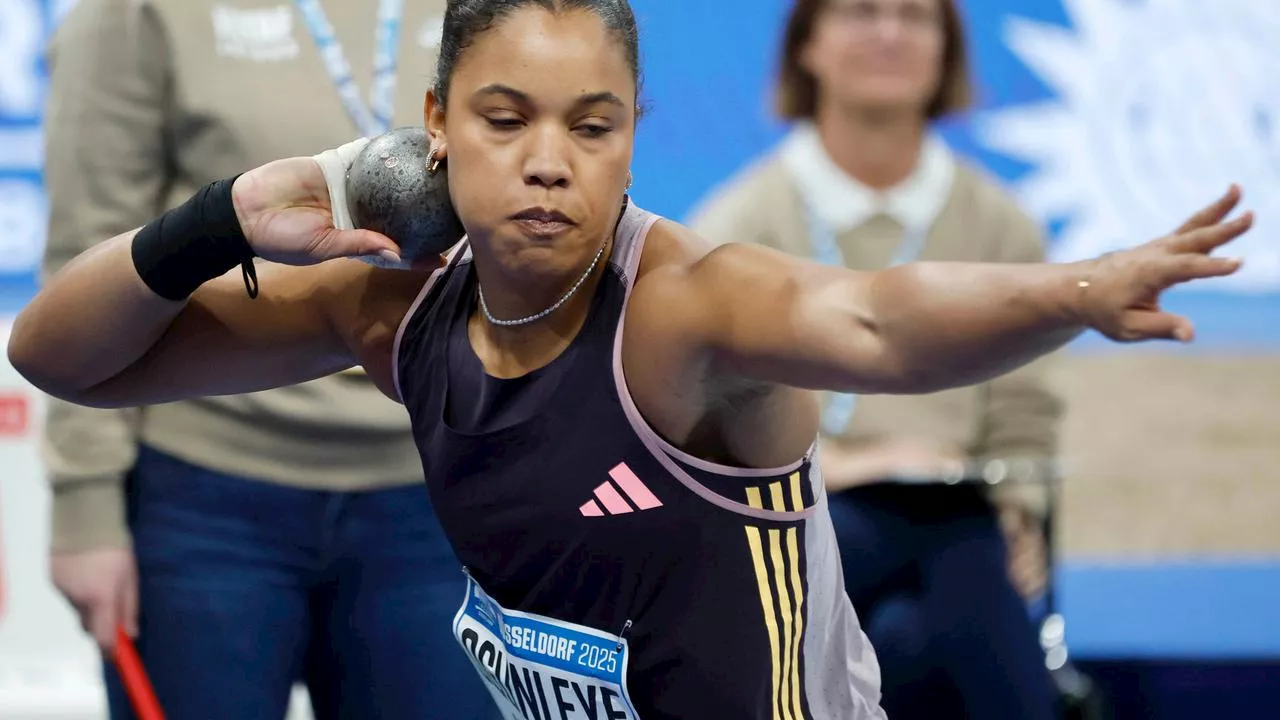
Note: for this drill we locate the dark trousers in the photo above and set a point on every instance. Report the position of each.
(925, 567)
(247, 587)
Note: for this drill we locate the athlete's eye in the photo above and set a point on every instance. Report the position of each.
(504, 123)
(594, 131)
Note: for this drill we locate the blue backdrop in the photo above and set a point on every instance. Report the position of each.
(23, 28)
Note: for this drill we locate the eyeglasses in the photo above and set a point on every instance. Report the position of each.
(865, 14)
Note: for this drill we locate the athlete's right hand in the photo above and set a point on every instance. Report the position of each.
(102, 586)
(284, 210)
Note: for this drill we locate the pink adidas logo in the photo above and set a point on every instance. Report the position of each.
(612, 500)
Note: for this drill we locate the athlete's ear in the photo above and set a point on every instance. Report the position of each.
(433, 121)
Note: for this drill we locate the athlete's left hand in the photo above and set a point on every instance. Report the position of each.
(1122, 296)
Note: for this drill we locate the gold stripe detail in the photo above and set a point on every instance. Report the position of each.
(797, 499)
(781, 586)
(784, 608)
(779, 503)
(766, 596)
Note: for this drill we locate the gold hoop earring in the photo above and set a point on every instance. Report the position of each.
(433, 163)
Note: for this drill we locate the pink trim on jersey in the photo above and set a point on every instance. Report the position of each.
(663, 451)
(730, 470)
(612, 501)
(413, 310)
(637, 492)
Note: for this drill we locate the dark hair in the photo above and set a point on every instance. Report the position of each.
(798, 89)
(466, 19)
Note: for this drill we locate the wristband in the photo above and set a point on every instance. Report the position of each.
(194, 243)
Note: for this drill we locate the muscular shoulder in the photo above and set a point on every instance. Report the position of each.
(683, 277)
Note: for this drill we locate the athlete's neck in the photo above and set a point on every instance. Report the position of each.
(878, 148)
(515, 350)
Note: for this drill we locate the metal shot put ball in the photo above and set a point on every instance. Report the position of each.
(390, 191)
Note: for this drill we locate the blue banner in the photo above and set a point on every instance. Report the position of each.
(24, 27)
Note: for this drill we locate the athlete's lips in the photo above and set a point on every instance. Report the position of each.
(539, 214)
(542, 222)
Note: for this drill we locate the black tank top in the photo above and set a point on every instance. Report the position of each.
(611, 575)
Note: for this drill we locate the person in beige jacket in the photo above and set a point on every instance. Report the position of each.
(861, 180)
(258, 540)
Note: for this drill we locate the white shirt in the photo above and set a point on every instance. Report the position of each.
(841, 202)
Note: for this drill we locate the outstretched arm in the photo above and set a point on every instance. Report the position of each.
(929, 326)
(97, 334)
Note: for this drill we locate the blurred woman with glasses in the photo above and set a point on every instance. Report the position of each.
(863, 180)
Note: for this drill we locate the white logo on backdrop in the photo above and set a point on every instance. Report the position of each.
(21, 148)
(258, 34)
(1160, 105)
(21, 35)
(22, 226)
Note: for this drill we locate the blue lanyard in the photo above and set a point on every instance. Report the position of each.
(840, 406)
(374, 118)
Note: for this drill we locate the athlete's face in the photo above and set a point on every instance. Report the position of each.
(883, 55)
(541, 115)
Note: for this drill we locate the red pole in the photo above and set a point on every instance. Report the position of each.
(129, 664)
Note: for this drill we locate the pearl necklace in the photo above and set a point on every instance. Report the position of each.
(484, 307)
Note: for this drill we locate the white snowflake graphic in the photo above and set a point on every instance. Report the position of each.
(1160, 105)
(21, 34)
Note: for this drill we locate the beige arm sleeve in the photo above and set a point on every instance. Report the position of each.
(105, 170)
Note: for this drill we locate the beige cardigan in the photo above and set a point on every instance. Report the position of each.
(149, 101)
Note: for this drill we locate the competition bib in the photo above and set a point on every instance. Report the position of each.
(538, 668)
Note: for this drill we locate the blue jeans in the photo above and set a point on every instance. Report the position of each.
(926, 569)
(248, 587)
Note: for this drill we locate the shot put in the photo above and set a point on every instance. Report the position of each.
(390, 191)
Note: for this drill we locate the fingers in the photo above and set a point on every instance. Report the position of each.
(128, 604)
(1213, 213)
(1207, 239)
(355, 243)
(1028, 567)
(1185, 268)
(100, 623)
(1014, 518)
(390, 261)
(1155, 325)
